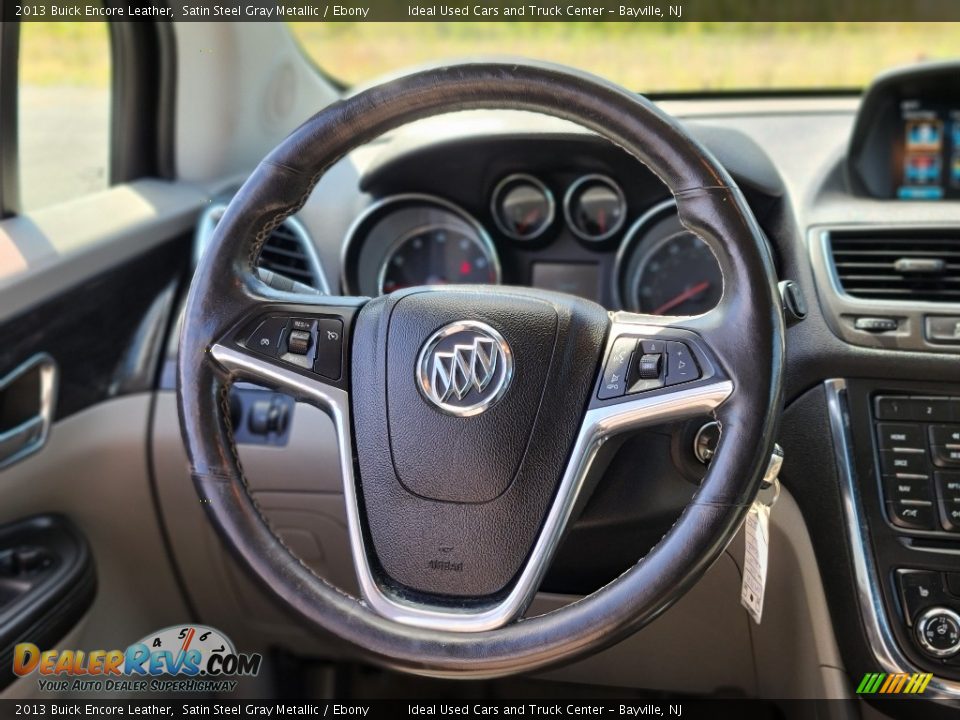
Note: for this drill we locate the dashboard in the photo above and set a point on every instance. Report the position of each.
(563, 213)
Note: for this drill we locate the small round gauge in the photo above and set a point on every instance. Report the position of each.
(595, 208)
(522, 207)
(437, 255)
(679, 276)
(664, 269)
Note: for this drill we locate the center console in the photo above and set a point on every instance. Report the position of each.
(898, 446)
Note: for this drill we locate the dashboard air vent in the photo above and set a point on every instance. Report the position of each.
(288, 260)
(284, 253)
(917, 265)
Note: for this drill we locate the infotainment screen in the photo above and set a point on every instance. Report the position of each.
(926, 153)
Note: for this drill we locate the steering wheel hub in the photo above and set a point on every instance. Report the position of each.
(454, 503)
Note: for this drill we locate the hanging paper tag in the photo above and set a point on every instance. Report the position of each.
(757, 536)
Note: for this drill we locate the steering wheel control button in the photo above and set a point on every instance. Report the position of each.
(938, 632)
(649, 366)
(919, 589)
(299, 341)
(328, 361)
(911, 515)
(653, 347)
(614, 383)
(681, 365)
(901, 435)
(267, 337)
(910, 487)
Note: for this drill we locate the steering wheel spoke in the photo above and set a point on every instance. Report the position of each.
(657, 369)
(300, 348)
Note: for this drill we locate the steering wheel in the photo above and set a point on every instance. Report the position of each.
(472, 421)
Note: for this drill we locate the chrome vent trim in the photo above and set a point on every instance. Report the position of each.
(841, 304)
(289, 253)
(917, 265)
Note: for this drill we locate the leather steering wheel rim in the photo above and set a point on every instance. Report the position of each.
(746, 332)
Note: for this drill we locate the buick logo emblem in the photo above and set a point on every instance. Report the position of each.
(464, 368)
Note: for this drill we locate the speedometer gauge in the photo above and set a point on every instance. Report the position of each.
(679, 276)
(664, 269)
(436, 255)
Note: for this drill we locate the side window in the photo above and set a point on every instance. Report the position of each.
(64, 111)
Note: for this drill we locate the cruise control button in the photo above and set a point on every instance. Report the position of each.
(911, 463)
(266, 338)
(329, 348)
(900, 435)
(302, 324)
(298, 342)
(946, 456)
(945, 435)
(649, 366)
(892, 408)
(681, 366)
(911, 516)
(614, 382)
(907, 488)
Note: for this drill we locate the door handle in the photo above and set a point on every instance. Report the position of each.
(27, 403)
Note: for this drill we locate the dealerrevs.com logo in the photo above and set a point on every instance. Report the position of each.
(181, 658)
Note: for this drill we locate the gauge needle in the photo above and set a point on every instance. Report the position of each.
(682, 297)
(528, 220)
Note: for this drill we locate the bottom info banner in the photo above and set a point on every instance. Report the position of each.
(712, 709)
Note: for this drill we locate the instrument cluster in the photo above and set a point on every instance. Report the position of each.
(584, 234)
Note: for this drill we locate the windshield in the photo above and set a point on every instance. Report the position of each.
(647, 57)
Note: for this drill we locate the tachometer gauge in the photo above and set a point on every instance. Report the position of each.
(522, 207)
(436, 255)
(595, 208)
(664, 269)
(416, 239)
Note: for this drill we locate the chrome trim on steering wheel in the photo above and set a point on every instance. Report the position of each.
(599, 425)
